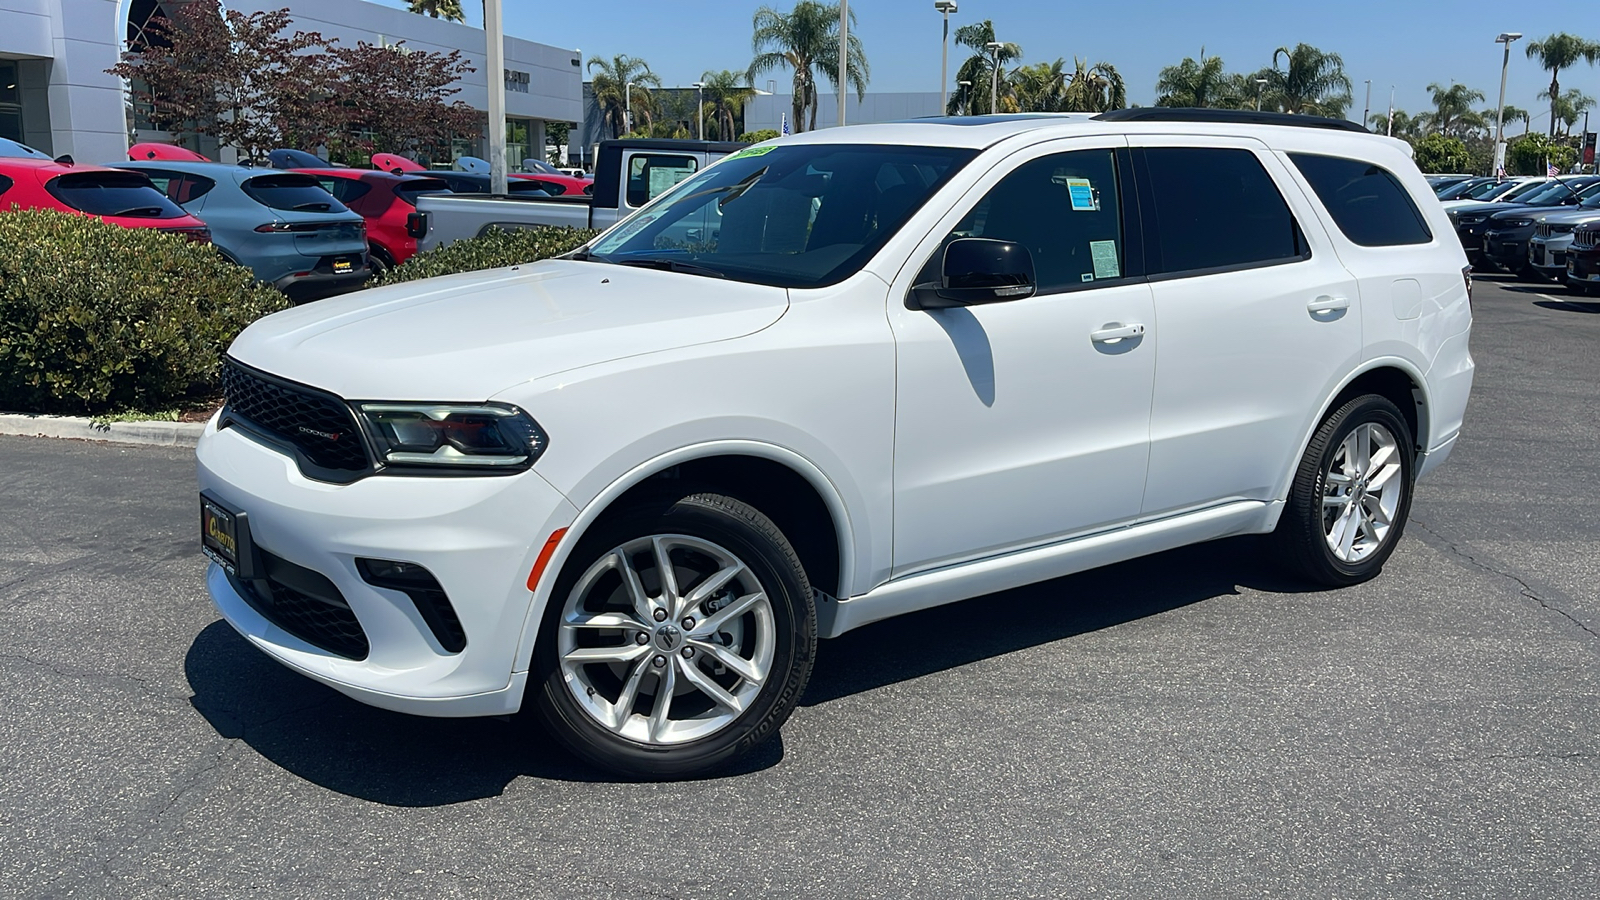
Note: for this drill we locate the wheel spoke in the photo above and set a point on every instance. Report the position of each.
(1363, 460)
(669, 579)
(1337, 477)
(703, 683)
(1381, 477)
(605, 620)
(714, 622)
(741, 667)
(1334, 500)
(1347, 537)
(622, 710)
(617, 653)
(710, 585)
(642, 607)
(666, 683)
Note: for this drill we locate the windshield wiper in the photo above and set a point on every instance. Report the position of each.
(672, 265)
(141, 212)
(319, 207)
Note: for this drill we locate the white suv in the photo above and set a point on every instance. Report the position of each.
(831, 379)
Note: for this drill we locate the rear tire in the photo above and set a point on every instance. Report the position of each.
(672, 678)
(1351, 495)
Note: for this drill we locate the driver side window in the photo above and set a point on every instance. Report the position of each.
(1065, 208)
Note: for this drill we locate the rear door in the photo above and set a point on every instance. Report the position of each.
(1257, 317)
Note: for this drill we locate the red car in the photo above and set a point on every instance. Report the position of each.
(119, 197)
(385, 200)
(550, 180)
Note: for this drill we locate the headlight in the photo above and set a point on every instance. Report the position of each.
(482, 436)
(1517, 223)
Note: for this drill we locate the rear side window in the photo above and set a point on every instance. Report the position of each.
(5, 184)
(300, 193)
(1217, 208)
(345, 190)
(180, 187)
(651, 174)
(127, 194)
(1366, 201)
(410, 190)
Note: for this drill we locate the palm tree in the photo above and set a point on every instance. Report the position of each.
(439, 9)
(1096, 88)
(1568, 108)
(1312, 83)
(1404, 125)
(979, 69)
(1041, 87)
(1510, 114)
(726, 93)
(1557, 52)
(1453, 109)
(804, 40)
(610, 91)
(1200, 84)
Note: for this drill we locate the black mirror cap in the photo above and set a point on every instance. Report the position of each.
(976, 271)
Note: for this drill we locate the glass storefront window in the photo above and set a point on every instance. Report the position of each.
(10, 101)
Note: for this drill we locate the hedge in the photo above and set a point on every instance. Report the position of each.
(489, 251)
(100, 318)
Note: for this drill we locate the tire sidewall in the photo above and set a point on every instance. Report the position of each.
(729, 524)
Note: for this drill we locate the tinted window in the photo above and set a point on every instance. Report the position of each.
(5, 184)
(291, 192)
(1216, 207)
(651, 174)
(797, 215)
(1065, 209)
(408, 191)
(113, 194)
(1366, 201)
(345, 190)
(524, 188)
(179, 187)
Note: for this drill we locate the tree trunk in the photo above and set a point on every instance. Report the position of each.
(1555, 91)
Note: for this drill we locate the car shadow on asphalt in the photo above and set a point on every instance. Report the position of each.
(330, 740)
(1591, 306)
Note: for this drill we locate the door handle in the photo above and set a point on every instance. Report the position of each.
(1327, 304)
(1113, 333)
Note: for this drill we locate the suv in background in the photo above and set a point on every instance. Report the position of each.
(826, 381)
(1506, 231)
(290, 232)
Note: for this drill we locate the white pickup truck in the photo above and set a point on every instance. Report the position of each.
(629, 174)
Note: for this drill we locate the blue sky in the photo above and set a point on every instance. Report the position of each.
(1405, 43)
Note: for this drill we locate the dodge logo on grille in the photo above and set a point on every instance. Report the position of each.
(325, 435)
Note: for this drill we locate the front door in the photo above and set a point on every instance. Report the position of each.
(1024, 422)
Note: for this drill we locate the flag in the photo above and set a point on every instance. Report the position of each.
(783, 125)
(1551, 170)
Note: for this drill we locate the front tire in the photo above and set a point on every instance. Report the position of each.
(680, 635)
(1351, 495)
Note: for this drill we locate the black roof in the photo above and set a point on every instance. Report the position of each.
(670, 144)
(1239, 116)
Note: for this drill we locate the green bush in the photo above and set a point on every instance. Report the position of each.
(96, 317)
(1442, 153)
(756, 137)
(1531, 153)
(490, 251)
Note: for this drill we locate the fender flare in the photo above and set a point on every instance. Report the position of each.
(597, 506)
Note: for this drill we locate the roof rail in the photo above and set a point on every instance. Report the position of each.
(1239, 116)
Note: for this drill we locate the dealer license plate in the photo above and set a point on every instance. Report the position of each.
(219, 535)
(343, 267)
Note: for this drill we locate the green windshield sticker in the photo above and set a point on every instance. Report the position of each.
(754, 151)
(1104, 254)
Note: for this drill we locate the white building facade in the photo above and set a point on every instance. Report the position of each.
(55, 94)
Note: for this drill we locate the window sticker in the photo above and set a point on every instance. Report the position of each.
(1104, 254)
(1086, 277)
(1082, 192)
(753, 151)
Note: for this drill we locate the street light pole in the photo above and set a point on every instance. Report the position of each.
(1260, 83)
(947, 7)
(966, 97)
(1506, 37)
(700, 109)
(495, 38)
(1367, 110)
(1391, 110)
(627, 107)
(844, 54)
(994, 48)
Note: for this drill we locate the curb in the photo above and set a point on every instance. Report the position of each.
(164, 434)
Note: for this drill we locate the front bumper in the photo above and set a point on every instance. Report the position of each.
(1505, 248)
(478, 536)
(1549, 255)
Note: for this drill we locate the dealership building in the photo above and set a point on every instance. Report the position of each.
(55, 94)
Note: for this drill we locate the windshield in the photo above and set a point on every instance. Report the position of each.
(1526, 189)
(1460, 189)
(1590, 197)
(125, 194)
(1487, 189)
(794, 216)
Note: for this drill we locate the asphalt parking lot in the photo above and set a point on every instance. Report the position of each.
(1190, 725)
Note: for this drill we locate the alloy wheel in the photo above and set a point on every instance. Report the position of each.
(1362, 492)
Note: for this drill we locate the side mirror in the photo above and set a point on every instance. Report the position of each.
(977, 271)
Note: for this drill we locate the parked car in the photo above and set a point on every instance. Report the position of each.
(120, 198)
(10, 149)
(630, 173)
(570, 182)
(1460, 188)
(1471, 217)
(1505, 233)
(1554, 234)
(919, 365)
(289, 231)
(1440, 181)
(1492, 191)
(1583, 261)
(386, 201)
(165, 151)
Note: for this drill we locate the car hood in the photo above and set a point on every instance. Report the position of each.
(468, 337)
(1571, 217)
